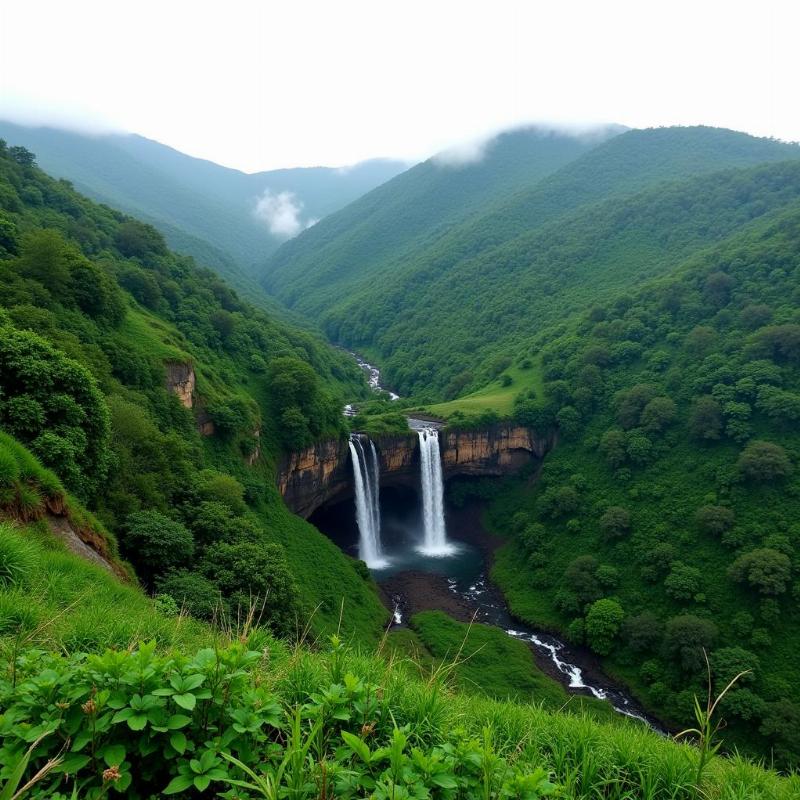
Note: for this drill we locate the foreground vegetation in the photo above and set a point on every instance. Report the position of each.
(235, 712)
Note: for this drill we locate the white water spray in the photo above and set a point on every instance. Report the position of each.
(435, 541)
(366, 476)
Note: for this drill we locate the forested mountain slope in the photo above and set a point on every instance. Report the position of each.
(666, 520)
(464, 296)
(204, 209)
(399, 219)
(162, 401)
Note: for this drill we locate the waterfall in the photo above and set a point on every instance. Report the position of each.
(435, 541)
(366, 476)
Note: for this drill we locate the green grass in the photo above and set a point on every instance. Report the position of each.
(68, 603)
(487, 660)
(494, 396)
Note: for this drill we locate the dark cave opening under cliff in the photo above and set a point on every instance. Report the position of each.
(401, 520)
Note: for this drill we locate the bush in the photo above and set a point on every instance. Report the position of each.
(198, 595)
(155, 544)
(250, 572)
(53, 404)
(148, 725)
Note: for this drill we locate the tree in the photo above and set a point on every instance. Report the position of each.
(135, 239)
(643, 632)
(658, 414)
(781, 343)
(714, 520)
(156, 544)
(256, 572)
(764, 462)
(190, 590)
(631, 403)
(705, 421)
(581, 577)
(569, 421)
(727, 662)
(558, 501)
(766, 570)
(615, 522)
(686, 636)
(602, 625)
(54, 405)
(683, 581)
(613, 447)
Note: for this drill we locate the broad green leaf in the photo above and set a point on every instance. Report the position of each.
(178, 784)
(113, 754)
(187, 701)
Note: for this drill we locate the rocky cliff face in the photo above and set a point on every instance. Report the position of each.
(181, 380)
(323, 473)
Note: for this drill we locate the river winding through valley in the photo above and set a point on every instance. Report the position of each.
(454, 579)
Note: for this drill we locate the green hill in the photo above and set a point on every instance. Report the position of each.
(204, 210)
(673, 492)
(162, 401)
(437, 317)
(399, 219)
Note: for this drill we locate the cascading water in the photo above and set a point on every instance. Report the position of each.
(435, 541)
(366, 476)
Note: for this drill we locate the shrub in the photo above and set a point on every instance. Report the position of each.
(148, 725)
(249, 572)
(198, 595)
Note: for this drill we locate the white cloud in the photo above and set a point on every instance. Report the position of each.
(463, 153)
(282, 213)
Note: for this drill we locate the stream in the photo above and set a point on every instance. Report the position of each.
(374, 380)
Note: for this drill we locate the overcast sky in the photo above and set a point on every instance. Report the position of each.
(259, 85)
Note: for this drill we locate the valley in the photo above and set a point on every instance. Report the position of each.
(577, 508)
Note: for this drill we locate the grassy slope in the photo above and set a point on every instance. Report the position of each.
(484, 659)
(86, 610)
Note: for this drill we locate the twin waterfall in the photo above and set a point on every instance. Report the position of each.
(366, 479)
(366, 476)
